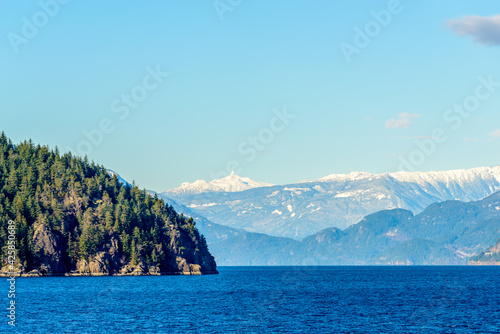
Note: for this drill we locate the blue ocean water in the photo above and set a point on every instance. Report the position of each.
(265, 300)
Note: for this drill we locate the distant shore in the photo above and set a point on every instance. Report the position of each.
(480, 263)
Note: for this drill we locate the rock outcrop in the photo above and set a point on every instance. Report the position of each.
(50, 250)
(186, 256)
(191, 257)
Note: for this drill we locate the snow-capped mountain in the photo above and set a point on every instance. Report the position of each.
(231, 183)
(338, 200)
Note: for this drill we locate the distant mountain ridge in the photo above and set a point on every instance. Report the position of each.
(338, 200)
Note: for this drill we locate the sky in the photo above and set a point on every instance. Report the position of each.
(166, 92)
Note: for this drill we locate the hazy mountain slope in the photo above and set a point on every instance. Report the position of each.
(444, 233)
(304, 208)
(256, 249)
(361, 243)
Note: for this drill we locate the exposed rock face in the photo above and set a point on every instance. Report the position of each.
(186, 256)
(50, 250)
(191, 257)
(187, 269)
(99, 266)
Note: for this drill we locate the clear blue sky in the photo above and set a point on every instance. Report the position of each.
(227, 76)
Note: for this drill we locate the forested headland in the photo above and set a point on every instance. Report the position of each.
(71, 216)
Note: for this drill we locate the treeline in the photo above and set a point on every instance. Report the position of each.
(83, 203)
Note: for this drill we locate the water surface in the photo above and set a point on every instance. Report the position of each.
(265, 300)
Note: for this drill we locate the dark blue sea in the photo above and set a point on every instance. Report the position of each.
(265, 300)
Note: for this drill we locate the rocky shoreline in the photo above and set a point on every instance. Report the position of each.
(127, 270)
(30, 274)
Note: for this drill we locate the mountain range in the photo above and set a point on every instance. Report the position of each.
(446, 233)
(449, 230)
(340, 200)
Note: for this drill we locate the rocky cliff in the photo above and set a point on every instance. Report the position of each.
(185, 256)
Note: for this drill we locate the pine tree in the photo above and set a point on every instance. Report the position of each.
(133, 260)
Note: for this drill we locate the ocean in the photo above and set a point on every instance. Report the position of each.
(264, 300)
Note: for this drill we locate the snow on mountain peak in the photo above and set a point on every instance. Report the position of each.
(351, 176)
(459, 175)
(230, 183)
(464, 175)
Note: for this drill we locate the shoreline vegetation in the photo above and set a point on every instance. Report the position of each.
(62, 215)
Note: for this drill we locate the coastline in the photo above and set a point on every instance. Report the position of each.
(30, 275)
(480, 263)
